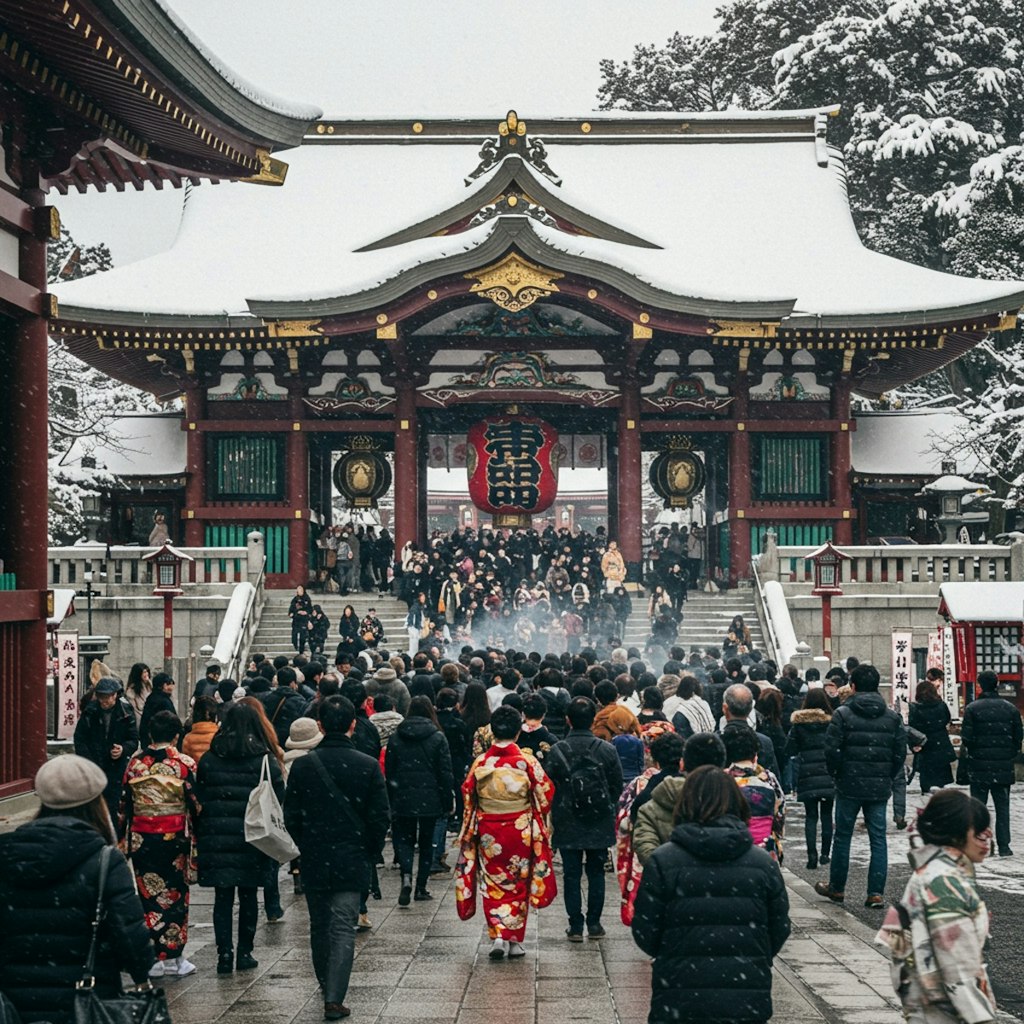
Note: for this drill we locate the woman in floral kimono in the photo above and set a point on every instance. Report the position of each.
(938, 930)
(157, 815)
(505, 837)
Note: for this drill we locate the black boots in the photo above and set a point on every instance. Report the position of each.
(246, 962)
(406, 891)
(812, 860)
(225, 962)
(422, 894)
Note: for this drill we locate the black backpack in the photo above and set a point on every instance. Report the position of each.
(588, 785)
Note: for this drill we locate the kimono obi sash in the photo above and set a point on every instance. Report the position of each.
(502, 789)
(158, 803)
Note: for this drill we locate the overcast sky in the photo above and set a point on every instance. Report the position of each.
(403, 58)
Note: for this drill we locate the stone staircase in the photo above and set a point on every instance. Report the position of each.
(274, 635)
(705, 618)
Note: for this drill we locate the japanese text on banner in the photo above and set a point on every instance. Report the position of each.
(66, 684)
(904, 679)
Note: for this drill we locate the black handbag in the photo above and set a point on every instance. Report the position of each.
(149, 1007)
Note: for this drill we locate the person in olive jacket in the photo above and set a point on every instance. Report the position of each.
(991, 734)
(339, 842)
(227, 774)
(48, 892)
(815, 787)
(421, 789)
(106, 735)
(712, 910)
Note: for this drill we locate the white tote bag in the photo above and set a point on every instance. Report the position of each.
(264, 820)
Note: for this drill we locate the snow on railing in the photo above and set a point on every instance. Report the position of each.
(776, 621)
(123, 567)
(929, 564)
(241, 620)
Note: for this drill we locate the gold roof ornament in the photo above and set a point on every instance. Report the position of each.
(513, 283)
(272, 171)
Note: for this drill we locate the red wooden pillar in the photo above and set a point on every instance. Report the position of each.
(628, 473)
(195, 467)
(297, 471)
(842, 495)
(739, 486)
(407, 457)
(23, 643)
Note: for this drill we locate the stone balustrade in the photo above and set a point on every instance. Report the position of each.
(121, 569)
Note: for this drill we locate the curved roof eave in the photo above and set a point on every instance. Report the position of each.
(516, 232)
(159, 33)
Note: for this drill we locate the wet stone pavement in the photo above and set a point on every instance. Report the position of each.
(423, 964)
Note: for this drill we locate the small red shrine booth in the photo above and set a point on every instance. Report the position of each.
(984, 625)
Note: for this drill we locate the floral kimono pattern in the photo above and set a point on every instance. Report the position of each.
(505, 843)
(767, 806)
(158, 810)
(627, 865)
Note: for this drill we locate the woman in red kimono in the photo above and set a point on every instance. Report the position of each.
(505, 837)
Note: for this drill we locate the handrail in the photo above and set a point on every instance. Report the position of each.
(241, 620)
(765, 615)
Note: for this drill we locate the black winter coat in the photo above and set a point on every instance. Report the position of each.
(48, 891)
(865, 746)
(223, 785)
(283, 706)
(807, 742)
(93, 742)
(418, 767)
(713, 912)
(366, 739)
(991, 732)
(932, 717)
(334, 858)
(569, 832)
(460, 743)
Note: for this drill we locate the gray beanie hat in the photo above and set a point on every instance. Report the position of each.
(69, 781)
(385, 674)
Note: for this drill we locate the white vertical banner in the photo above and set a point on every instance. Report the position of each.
(67, 684)
(934, 650)
(949, 687)
(903, 676)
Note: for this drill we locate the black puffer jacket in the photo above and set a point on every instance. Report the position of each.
(418, 767)
(557, 702)
(223, 785)
(807, 741)
(48, 891)
(333, 856)
(459, 741)
(865, 746)
(991, 732)
(283, 706)
(713, 912)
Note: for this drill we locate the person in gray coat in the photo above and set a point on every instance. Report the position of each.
(587, 775)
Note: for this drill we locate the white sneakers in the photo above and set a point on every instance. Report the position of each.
(173, 967)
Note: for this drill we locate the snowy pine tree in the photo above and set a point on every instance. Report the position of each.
(83, 403)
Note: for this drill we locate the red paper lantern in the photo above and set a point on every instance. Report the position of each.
(513, 467)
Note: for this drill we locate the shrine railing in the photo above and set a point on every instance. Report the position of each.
(915, 566)
(121, 570)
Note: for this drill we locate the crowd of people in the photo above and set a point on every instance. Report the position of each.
(674, 775)
(553, 590)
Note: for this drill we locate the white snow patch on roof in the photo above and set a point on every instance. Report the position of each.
(983, 602)
(148, 445)
(736, 221)
(905, 443)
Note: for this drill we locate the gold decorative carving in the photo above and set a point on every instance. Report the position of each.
(514, 283)
(364, 443)
(743, 328)
(744, 359)
(641, 333)
(432, 295)
(585, 127)
(382, 318)
(293, 328)
(512, 125)
(272, 171)
(848, 355)
(1007, 322)
(417, 127)
(389, 332)
(293, 359)
(679, 443)
(644, 318)
(189, 360)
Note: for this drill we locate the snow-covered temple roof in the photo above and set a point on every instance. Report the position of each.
(981, 602)
(741, 215)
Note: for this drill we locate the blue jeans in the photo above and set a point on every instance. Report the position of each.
(847, 809)
(332, 939)
(572, 867)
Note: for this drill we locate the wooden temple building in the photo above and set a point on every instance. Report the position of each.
(687, 280)
(102, 94)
